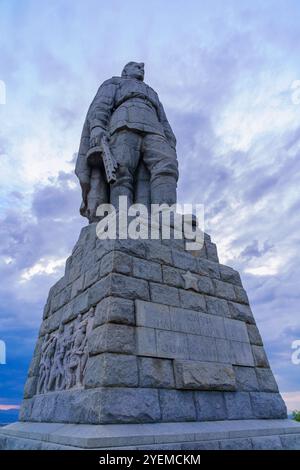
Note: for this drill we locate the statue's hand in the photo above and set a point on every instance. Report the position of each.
(96, 135)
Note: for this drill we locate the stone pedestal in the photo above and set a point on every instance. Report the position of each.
(146, 332)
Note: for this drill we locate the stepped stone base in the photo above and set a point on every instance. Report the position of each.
(144, 333)
(218, 435)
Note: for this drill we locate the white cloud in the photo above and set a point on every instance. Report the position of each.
(43, 266)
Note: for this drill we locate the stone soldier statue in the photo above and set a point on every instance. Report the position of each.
(77, 354)
(129, 114)
(46, 363)
(69, 346)
(57, 375)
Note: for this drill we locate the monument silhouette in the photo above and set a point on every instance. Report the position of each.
(144, 344)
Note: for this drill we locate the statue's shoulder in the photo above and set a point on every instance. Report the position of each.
(112, 81)
(151, 91)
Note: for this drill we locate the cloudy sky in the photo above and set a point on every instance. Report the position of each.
(228, 73)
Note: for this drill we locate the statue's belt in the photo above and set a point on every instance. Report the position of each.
(138, 97)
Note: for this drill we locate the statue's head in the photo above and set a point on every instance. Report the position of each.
(134, 70)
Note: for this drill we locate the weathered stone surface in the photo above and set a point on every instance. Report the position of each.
(99, 290)
(210, 406)
(236, 444)
(47, 308)
(129, 246)
(205, 285)
(246, 379)
(184, 260)
(35, 362)
(208, 268)
(230, 275)
(224, 351)
(77, 286)
(173, 276)
(52, 322)
(95, 406)
(202, 348)
(116, 261)
(92, 275)
(160, 436)
(238, 405)
(118, 285)
(290, 441)
(115, 310)
(146, 341)
(59, 407)
(224, 290)
(171, 344)
(266, 380)
(129, 287)
(177, 406)
(30, 387)
(152, 315)
(112, 338)
(211, 250)
(241, 312)
(177, 243)
(88, 260)
(129, 405)
(268, 405)
(103, 247)
(192, 300)
(165, 294)
(254, 335)
(25, 409)
(111, 370)
(266, 443)
(61, 298)
(156, 373)
(204, 445)
(44, 408)
(241, 295)
(155, 251)
(148, 270)
(242, 354)
(159, 316)
(75, 269)
(260, 357)
(189, 321)
(196, 375)
(57, 287)
(132, 247)
(217, 306)
(78, 305)
(236, 330)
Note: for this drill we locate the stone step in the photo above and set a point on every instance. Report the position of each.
(240, 434)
